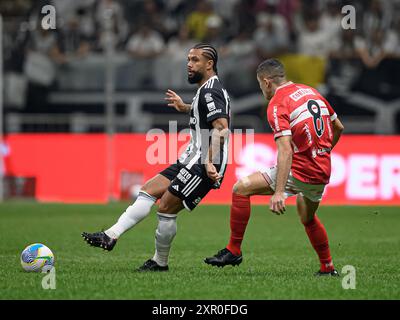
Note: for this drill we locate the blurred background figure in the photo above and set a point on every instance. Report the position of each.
(237, 57)
(144, 46)
(215, 31)
(171, 66)
(197, 20)
(113, 8)
(378, 16)
(72, 43)
(344, 65)
(146, 43)
(42, 54)
(374, 48)
(313, 38)
(331, 19)
(271, 36)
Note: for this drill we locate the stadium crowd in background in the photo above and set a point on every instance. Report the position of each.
(152, 38)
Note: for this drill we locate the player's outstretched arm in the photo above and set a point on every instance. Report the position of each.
(285, 154)
(337, 131)
(174, 100)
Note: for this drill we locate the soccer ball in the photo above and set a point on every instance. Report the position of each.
(37, 258)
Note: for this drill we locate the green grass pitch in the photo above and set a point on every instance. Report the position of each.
(278, 259)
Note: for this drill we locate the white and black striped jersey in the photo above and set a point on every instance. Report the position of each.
(210, 103)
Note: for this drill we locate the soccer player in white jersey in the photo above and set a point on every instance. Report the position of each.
(198, 170)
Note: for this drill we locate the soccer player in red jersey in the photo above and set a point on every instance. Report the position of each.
(305, 128)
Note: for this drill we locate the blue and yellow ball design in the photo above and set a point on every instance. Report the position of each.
(37, 258)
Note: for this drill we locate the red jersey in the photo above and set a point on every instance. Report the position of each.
(302, 112)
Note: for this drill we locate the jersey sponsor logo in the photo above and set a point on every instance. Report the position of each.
(176, 187)
(319, 151)
(297, 95)
(308, 133)
(197, 201)
(184, 175)
(211, 106)
(214, 112)
(208, 97)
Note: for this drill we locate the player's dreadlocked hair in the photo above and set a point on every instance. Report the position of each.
(273, 68)
(209, 52)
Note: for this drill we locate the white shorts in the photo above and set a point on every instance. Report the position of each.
(294, 186)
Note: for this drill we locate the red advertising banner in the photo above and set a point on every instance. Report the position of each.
(79, 168)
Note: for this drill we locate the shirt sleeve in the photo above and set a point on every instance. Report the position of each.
(278, 118)
(332, 113)
(213, 103)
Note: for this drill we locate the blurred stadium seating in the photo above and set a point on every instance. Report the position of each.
(55, 80)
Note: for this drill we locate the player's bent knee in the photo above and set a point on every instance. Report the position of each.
(154, 188)
(163, 207)
(240, 188)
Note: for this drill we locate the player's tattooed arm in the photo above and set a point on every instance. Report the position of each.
(338, 128)
(174, 100)
(219, 135)
(285, 154)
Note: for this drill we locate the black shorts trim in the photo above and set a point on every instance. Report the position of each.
(190, 185)
(172, 171)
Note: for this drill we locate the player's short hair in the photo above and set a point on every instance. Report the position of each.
(272, 68)
(209, 52)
